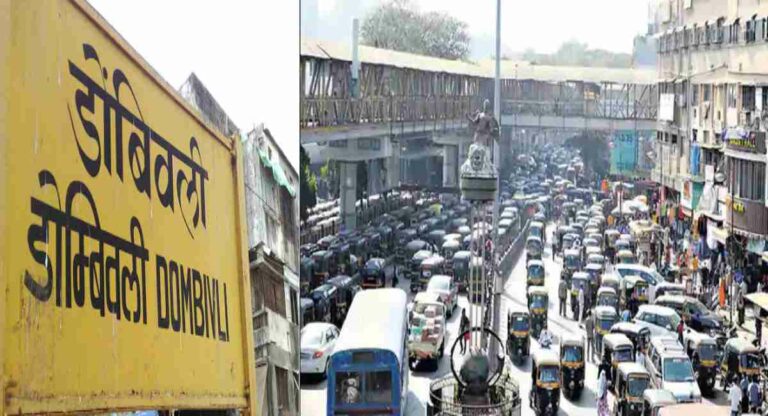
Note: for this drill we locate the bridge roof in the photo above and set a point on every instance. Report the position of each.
(484, 69)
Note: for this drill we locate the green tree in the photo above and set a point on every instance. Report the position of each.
(398, 25)
(308, 186)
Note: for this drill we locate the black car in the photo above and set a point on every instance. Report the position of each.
(696, 316)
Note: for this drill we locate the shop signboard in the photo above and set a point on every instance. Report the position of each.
(124, 282)
(745, 140)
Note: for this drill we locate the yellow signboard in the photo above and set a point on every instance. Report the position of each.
(123, 270)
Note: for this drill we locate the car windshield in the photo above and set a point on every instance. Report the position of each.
(311, 336)
(548, 374)
(538, 301)
(520, 323)
(636, 386)
(707, 352)
(623, 355)
(678, 370)
(535, 271)
(572, 354)
(749, 360)
(607, 300)
(697, 308)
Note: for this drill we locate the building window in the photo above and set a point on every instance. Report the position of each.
(748, 179)
(732, 96)
(707, 93)
(695, 94)
(735, 29)
(294, 307)
(748, 98)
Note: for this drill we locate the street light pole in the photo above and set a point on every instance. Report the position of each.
(498, 280)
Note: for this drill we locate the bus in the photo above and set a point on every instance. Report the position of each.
(368, 372)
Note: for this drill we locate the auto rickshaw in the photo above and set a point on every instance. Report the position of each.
(534, 273)
(571, 264)
(347, 289)
(387, 243)
(324, 265)
(605, 317)
(617, 348)
(374, 274)
(325, 299)
(460, 267)
(404, 237)
(413, 248)
(612, 281)
(449, 248)
(544, 397)
(606, 296)
(702, 349)
(639, 335)
(374, 245)
(625, 257)
(655, 399)
(596, 259)
(594, 270)
(435, 237)
(533, 248)
(307, 310)
(518, 341)
(306, 275)
(341, 251)
(538, 302)
(609, 243)
(536, 229)
(560, 233)
(361, 250)
(572, 364)
(579, 281)
(740, 358)
(635, 293)
(631, 381)
(569, 241)
(430, 266)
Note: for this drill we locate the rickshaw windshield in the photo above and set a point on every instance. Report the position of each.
(636, 386)
(572, 261)
(623, 355)
(535, 271)
(607, 300)
(707, 352)
(749, 360)
(678, 370)
(538, 301)
(520, 323)
(548, 374)
(606, 323)
(572, 354)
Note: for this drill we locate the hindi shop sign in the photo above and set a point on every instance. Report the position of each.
(745, 140)
(124, 276)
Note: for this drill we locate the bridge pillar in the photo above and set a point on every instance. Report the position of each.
(348, 194)
(450, 166)
(392, 165)
(375, 176)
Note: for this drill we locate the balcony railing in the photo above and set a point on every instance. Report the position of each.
(271, 332)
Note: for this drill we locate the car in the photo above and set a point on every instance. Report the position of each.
(652, 277)
(444, 286)
(660, 320)
(671, 369)
(695, 315)
(317, 342)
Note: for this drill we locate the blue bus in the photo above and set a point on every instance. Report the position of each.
(368, 372)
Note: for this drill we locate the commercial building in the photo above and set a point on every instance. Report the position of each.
(710, 142)
(271, 185)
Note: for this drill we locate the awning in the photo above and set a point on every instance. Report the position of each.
(723, 75)
(277, 173)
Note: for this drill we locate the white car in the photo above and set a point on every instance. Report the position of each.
(660, 320)
(317, 342)
(651, 276)
(444, 286)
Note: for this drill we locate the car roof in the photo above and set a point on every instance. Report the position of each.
(659, 396)
(317, 326)
(581, 275)
(539, 290)
(616, 340)
(742, 344)
(606, 289)
(427, 297)
(433, 260)
(632, 368)
(535, 263)
(605, 310)
(657, 309)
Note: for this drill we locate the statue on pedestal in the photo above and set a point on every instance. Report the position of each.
(478, 174)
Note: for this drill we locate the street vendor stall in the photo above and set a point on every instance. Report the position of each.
(644, 232)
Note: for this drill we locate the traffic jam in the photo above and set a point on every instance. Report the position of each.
(600, 315)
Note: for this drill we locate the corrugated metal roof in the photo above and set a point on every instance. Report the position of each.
(484, 69)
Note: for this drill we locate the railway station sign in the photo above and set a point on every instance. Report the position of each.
(124, 276)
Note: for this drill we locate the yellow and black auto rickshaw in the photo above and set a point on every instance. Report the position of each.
(533, 248)
(579, 281)
(534, 273)
(605, 317)
(460, 269)
(518, 328)
(702, 349)
(538, 301)
(617, 348)
(740, 358)
(571, 264)
(544, 397)
(572, 365)
(631, 381)
(606, 296)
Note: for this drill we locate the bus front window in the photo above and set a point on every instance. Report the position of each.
(378, 387)
(347, 388)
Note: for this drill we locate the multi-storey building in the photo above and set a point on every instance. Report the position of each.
(710, 147)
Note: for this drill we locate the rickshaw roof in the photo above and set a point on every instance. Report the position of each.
(433, 260)
(321, 254)
(545, 357)
(592, 250)
(537, 224)
(741, 346)
(625, 253)
(538, 290)
(606, 289)
(451, 236)
(629, 327)
(580, 276)
(324, 288)
(415, 244)
(590, 240)
(427, 297)
(462, 255)
(307, 261)
(700, 338)
(532, 238)
(616, 340)
(677, 299)
(341, 281)
(699, 409)
(633, 368)
(594, 266)
(376, 261)
(422, 254)
(572, 252)
(670, 285)
(656, 397)
(611, 232)
(306, 303)
(538, 263)
(610, 277)
(604, 311)
(450, 244)
(571, 339)
(435, 233)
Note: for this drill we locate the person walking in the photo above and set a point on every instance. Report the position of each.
(753, 391)
(589, 326)
(744, 385)
(602, 393)
(562, 293)
(734, 397)
(740, 304)
(581, 304)
(463, 327)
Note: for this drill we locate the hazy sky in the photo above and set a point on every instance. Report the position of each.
(246, 60)
(539, 24)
